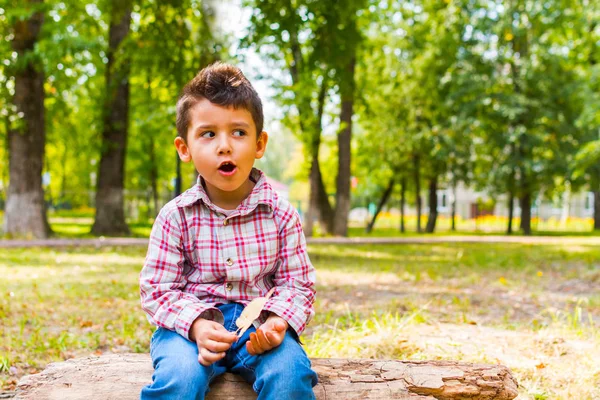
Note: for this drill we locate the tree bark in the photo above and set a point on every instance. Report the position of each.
(417, 176)
(25, 208)
(382, 202)
(433, 212)
(453, 210)
(511, 211)
(525, 204)
(153, 172)
(121, 377)
(342, 194)
(597, 210)
(318, 200)
(110, 213)
(318, 204)
(402, 204)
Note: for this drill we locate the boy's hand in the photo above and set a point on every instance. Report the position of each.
(268, 336)
(213, 340)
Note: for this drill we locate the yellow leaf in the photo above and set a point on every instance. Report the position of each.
(251, 312)
(540, 273)
(502, 280)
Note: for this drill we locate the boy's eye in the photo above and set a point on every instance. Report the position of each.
(207, 134)
(239, 132)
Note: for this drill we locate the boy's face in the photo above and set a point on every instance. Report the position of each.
(222, 143)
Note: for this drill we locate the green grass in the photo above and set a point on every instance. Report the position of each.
(357, 231)
(78, 223)
(533, 308)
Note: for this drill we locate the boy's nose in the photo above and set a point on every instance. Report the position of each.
(224, 147)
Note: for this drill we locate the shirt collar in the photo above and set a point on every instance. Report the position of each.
(262, 193)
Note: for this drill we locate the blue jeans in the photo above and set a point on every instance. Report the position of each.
(282, 373)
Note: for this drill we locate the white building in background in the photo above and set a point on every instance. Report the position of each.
(580, 205)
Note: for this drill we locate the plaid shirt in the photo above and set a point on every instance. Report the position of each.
(199, 258)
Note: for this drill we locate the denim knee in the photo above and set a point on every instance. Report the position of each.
(177, 372)
(285, 373)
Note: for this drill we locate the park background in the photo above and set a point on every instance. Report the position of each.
(386, 118)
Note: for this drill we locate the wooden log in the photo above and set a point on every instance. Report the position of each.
(121, 377)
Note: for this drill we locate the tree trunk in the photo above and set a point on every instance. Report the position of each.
(382, 202)
(342, 194)
(433, 212)
(318, 204)
(121, 377)
(402, 204)
(511, 194)
(511, 211)
(453, 207)
(153, 172)
(25, 208)
(110, 214)
(525, 204)
(313, 207)
(417, 177)
(63, 176)
(597, 210)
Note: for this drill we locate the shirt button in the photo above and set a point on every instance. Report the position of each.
(229, 286)
(229, 262)
(225, 222)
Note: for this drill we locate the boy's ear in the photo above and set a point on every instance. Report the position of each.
(182, 149)
(261, 144)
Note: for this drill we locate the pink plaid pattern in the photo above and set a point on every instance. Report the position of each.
(198, 258)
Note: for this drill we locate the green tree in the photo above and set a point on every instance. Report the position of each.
(318, 43)
(586, 164)
(110, 213)
(26, 130)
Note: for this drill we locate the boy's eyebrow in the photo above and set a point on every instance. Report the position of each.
(204, 126)
(241, 124)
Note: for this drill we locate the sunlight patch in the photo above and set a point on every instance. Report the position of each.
(342, 278)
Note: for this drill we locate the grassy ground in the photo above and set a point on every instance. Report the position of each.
(535, 309)
(71, 224)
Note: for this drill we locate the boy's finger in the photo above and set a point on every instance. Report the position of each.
(262, 340)
(223, 336)
(274, 339)
(256, 344)
(208, 356)
(217, 347)
(250, 348)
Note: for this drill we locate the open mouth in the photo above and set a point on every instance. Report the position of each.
(227, 167)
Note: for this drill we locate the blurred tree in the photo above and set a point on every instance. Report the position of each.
(110, 214)
(25, 208)
(527, 111)
(413, 94)
(318, 43)
(172, 41)
(586, 164)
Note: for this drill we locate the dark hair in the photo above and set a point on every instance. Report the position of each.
(221, 84)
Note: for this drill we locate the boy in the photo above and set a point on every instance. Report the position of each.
(222, 243)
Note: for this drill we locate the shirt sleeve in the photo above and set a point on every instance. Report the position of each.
(295, 276)
(163, 279)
